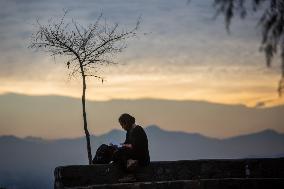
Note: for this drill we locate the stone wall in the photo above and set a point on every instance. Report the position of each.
(242, 173)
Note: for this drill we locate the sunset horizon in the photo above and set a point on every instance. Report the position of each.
(141, 94)
(187, 59)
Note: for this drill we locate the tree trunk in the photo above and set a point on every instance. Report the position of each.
(89, 150)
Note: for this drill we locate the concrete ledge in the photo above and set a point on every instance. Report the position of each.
(84, 175)
(232, 183)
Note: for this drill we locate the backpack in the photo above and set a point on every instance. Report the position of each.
(104, 154)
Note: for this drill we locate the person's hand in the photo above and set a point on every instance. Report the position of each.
(127, 145)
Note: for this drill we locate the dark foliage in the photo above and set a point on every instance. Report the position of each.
(271, 23)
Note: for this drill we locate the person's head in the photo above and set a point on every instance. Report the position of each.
(126, 121)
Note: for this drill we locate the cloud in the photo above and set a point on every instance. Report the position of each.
(183, 43)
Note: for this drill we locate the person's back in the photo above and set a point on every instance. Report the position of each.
(139, 141)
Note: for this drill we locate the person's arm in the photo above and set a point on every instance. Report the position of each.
(135, 139)
(139, 140)
(126, 139)
(127, 146)
(126, 143)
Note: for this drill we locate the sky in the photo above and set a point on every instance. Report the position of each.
(180, 53)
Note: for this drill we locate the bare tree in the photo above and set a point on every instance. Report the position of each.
(271, 22)
(85, 48)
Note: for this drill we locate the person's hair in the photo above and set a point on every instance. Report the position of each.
(126, 119)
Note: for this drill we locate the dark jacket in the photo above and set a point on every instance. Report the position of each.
(139, 141)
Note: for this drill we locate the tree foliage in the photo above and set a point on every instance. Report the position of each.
(271, 23)
(85, 47)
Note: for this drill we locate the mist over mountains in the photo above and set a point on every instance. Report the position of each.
(61, 117)
(29, 162)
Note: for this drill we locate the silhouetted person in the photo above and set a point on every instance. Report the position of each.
(134, 150)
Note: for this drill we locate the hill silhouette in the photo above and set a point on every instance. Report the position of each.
(29, 162)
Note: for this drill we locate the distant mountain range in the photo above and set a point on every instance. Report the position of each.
(29, 162)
